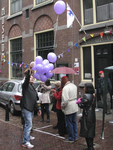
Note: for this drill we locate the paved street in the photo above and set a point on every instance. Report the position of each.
(11, 133)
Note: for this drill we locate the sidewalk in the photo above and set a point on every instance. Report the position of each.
(11, 133)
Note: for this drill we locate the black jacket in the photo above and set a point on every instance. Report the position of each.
(30, 97)
(88, 120)
(101, 86)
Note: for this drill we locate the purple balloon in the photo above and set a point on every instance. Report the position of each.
(39, 67)
(36, 75)
(59, 7)
(43, 78)
(34, 67)
(52, 57)
(49, 74)
(38, 60)
(45, 62)
(51, 66)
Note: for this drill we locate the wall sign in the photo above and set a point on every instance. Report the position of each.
(3, 31)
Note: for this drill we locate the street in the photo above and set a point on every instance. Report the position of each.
(11, 133)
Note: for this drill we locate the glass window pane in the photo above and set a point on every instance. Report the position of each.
(4, 87)
(45, 44)
(88, 11)
(16, 6)
(40, 1)
(10, 87)
(16, 57)
(104, 10)
(87, 62)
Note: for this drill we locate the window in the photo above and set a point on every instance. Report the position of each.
(16, 6)
(16, 57)
(95, 11)
(27, 13)
(10, 87)
(44, 44)
(104, 10)
(88, 11)
(40, 1)
(4, 87)
(87, 62)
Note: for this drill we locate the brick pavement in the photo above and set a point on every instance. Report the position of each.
(11, 133)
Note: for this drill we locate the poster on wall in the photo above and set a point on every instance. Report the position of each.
(76, 68)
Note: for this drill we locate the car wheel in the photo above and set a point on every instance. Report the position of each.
(12, 109)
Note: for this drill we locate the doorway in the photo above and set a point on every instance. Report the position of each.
(103, 57)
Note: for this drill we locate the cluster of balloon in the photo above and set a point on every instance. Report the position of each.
(59, 7)
(43, 67)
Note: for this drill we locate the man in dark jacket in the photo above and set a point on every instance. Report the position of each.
(28, 104)
(109, 90)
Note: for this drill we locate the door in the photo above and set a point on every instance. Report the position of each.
(103, 58)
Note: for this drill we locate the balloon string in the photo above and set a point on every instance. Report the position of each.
(56, 27)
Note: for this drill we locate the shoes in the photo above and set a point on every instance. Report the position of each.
(55, 127)
(48, 120)
(31, 130)
(32, 138)
(67, 140)
(28, 145)
(41, 120)
(76, 140)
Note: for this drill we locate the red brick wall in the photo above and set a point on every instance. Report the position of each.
(44, 18)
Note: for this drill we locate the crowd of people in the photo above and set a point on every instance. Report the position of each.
(65, 105)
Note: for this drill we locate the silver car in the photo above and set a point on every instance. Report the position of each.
(10, 93)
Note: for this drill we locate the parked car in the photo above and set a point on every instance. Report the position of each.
(10, 93)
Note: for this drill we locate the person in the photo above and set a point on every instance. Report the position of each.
(38, 89)
(54, 101)
(45, 98)
(109, 90)
(70, 108)
(88, 119)
(60, 114)
(28, 105)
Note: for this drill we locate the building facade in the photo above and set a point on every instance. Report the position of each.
(32, 28)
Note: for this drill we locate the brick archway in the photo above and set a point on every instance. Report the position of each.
(43, 23)
(15, 32)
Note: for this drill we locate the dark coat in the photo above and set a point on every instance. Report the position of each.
(88, 120)
(101, 86)
(30, 97)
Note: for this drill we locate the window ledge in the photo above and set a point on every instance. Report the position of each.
(95, 26)
(14, 15)
(42, 4)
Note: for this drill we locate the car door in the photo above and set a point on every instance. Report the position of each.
(3, 90)
(9, 92)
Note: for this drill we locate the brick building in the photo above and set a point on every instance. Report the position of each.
(30, 28)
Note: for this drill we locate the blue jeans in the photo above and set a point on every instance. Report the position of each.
(46, 106)
(28, 116)
(71, 125)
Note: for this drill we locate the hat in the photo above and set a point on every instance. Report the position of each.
(64, 77)
(57, 83)
(101, 72)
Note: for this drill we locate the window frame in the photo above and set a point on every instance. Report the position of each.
(82, 65)
(35, 5)
(16, 65)
(15, 10)
(95, 22)
(49, 48)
